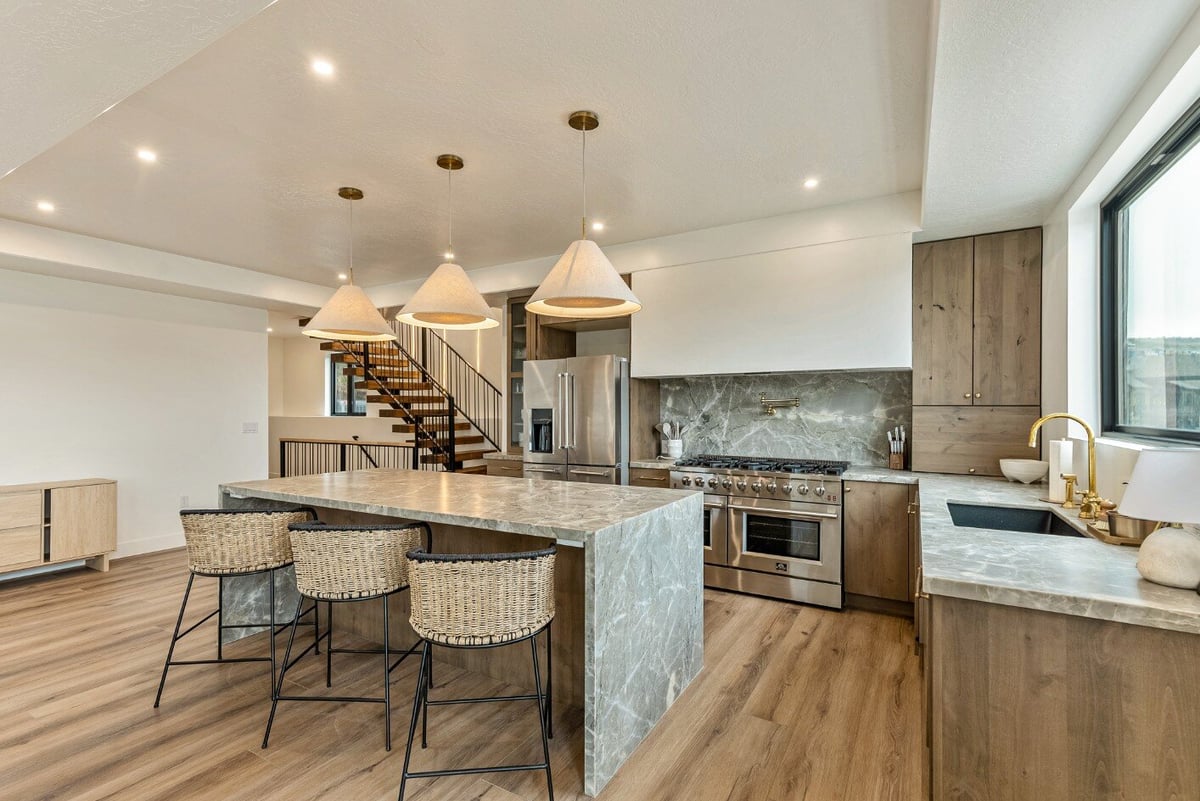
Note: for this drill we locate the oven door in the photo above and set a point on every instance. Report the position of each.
(800, 540)
(716, 530)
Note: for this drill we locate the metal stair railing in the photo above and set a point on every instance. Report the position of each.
(477, 399)
(409, 405)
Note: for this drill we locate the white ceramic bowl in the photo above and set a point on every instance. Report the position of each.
(1026, 471)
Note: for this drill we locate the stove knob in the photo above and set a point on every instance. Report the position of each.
(787, 488)
(802, 489)
(686, 481)
(771, 487)
(712, 482)
(741, 483)
(820, 491)
(756, 486)
(726, 483)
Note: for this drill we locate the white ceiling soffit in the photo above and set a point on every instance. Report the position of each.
(1023, 91)
(710, 113)
(65, 61)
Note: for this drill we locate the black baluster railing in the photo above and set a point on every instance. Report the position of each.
(303, 457)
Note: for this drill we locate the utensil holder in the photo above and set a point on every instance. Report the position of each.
(673, 448)
(896, 461)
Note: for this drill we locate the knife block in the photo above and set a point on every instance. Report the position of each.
(896, 461)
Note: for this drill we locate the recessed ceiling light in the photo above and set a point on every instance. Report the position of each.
(597, 226)
(342, 276)
(148, 156)
(45, 205)
(811, 183)
(322, 67)
(270, 330)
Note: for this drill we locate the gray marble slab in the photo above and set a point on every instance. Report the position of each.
(1075, 576)
(503, 456)
(643, 627)
(842, 415)
(652, 464)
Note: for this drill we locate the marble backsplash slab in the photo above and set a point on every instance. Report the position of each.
(843, 415)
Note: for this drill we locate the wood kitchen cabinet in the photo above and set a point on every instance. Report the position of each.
(977, 320)
(528, 338)
(878, 532)
(501, 467)
(977, 343)
(647, 477)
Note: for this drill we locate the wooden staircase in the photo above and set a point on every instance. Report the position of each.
(421, 409)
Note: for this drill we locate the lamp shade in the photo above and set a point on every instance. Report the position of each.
(351, 316)
(1165, 486)
(583, 283)
(448, 299)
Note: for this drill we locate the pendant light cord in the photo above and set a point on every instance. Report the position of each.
(450, 205)
(583, 171)
(351, 202)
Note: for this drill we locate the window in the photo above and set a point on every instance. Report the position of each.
(343, 399)
(1150, 292)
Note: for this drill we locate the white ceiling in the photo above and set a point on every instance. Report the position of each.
(65, 61)
(711, 113)
(1023, 91)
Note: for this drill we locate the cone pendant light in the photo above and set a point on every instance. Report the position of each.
(448, 299)
(583, 283)
(349, 315)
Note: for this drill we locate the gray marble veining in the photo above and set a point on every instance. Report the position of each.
(643, 627)
(1075, 576)
(503, 456)
(844, 415)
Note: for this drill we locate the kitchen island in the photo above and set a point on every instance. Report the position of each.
(628, 632)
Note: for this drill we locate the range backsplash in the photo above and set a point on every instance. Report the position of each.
(843, 415)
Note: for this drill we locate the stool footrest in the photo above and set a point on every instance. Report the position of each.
(338, 698)
(430, 774)
(223, 661)
(442, 701)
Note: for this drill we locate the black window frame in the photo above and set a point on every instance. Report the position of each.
(334, 367)
(1181, 138)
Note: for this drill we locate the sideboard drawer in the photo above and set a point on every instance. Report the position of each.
(20, 546)
(20, 509)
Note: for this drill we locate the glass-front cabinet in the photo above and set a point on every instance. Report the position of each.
(518, 350)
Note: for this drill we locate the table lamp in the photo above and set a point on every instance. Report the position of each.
(1165, 486)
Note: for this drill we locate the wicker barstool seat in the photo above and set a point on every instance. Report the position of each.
(481, 601)
(228, 543)
(342, 564)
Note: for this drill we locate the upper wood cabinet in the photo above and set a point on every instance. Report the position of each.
(977, 320)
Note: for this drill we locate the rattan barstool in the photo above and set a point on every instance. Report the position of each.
(481, 601)
(344, 564)
(222, 543)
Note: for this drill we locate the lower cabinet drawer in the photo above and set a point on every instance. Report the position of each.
(20, 546)
(646, 477)
(497, 467)
(21, 509)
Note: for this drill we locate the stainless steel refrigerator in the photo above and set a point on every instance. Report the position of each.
(576, 419)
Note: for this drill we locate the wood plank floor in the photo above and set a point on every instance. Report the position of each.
(794, 703)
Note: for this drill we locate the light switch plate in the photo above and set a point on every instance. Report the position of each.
(249, 428)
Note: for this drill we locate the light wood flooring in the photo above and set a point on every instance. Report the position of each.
(794, 703)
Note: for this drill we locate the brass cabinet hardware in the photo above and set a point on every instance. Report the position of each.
(771, 404)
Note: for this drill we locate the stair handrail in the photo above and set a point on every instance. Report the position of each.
(419, 430)
(493, 399)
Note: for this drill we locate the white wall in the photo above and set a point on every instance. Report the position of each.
(147, 389)
(303, 378)
(827, 306)
(1071, 255)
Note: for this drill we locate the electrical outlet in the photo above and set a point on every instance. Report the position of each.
(184, 502)
(249, 428)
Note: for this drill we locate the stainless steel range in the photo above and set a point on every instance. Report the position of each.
(771, 526)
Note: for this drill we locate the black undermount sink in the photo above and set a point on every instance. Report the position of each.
(1033, 521)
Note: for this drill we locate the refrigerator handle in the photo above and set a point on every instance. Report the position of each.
(557, 430)
(573, 441)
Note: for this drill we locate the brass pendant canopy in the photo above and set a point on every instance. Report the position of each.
(349, 315)
(583, 282)
(448, 299)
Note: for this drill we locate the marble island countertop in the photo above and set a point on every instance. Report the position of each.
(570, 512)
(1069, 575)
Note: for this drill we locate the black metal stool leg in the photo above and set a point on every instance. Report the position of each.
(277, 689)
(174, 638)
(221, 616)
(537, 680)
(271, 597)
(316, 627)
(412, 725)
(329, 647)
(427, 668)
(549, 681)
(387, 681)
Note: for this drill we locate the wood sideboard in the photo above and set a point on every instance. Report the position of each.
(58, 521)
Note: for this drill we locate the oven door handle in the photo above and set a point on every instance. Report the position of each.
(717, 505)
(782, 513)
